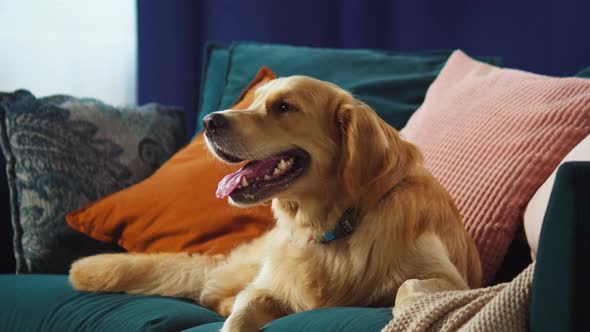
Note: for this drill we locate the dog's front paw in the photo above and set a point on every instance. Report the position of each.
(239, 324)
(99, 273)
(409, 292)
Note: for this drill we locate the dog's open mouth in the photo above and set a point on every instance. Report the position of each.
(260, 179)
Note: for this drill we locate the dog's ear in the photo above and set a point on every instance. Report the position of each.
(373, 156)
(345, 116)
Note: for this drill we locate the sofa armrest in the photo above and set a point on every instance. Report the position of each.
(7, 261)
(560, 288)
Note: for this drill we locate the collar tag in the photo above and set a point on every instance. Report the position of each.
(343, 228)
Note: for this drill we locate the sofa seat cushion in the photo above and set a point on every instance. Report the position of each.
(48, 303)
(326, 319)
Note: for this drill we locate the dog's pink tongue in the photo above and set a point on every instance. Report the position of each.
(251, 171)
(230, 182)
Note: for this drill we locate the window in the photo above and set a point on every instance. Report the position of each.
(81, 48)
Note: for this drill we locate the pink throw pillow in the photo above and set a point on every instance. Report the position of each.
(492, 136)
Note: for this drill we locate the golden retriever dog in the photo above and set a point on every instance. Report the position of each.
(359, 220)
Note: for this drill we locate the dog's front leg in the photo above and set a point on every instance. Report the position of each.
(173, 274)
(254, 307)
(413, 289)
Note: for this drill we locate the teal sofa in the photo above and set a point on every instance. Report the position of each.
(43, 302)
(558, 303)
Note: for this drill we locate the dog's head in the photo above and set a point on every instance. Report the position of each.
(303, 136)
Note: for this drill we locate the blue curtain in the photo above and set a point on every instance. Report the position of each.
(547, 37)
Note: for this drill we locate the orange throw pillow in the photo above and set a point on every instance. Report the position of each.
(175, 209)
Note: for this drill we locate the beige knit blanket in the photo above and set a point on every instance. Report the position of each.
(503, 307)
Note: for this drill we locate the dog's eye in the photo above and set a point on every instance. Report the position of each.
(283, 107)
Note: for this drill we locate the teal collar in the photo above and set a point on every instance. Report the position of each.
(344, 227)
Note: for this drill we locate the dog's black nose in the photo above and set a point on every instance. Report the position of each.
(215, 121)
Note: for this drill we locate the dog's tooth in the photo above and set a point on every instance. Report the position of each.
(282, 166)
(276, 171)
(267, 177)
(244, 182)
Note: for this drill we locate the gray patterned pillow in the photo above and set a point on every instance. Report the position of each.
(62, 153)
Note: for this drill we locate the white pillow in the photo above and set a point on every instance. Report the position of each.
(535, 209)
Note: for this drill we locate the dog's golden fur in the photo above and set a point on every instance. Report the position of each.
(409, 239)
